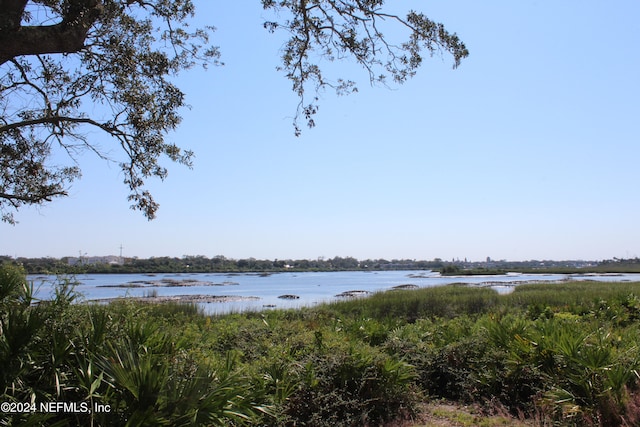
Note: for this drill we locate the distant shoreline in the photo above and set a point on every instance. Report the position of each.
(223, 265)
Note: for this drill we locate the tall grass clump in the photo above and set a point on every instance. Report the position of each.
(409, 305)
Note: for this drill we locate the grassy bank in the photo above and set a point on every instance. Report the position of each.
(556, 354)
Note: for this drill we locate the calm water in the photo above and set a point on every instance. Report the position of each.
(312, 288)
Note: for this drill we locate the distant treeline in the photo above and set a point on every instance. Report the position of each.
(222, 264)
(202, 264)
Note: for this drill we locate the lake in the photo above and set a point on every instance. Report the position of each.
(255, 291)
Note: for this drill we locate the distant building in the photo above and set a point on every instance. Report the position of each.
(93, 260)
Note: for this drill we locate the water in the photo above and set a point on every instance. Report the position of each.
(311, 287)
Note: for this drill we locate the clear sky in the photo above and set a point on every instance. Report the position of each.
(529, 150)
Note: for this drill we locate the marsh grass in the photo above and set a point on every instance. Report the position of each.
(409, 305)
(570, 293)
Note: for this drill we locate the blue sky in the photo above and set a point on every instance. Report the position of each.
(528, 150)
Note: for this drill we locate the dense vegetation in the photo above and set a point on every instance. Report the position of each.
(203, 264)
(557, 354)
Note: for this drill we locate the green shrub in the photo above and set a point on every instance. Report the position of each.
(356, 386)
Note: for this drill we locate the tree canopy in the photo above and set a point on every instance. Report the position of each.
(59, 59)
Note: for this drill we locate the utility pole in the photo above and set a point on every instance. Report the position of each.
(121, 261)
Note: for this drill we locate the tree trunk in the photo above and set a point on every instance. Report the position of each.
(67, 36)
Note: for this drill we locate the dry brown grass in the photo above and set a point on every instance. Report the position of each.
(452, 414)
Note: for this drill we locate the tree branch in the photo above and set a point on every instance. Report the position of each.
(67, 36)
(37, 199)
(54, 120)
(11, 13)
